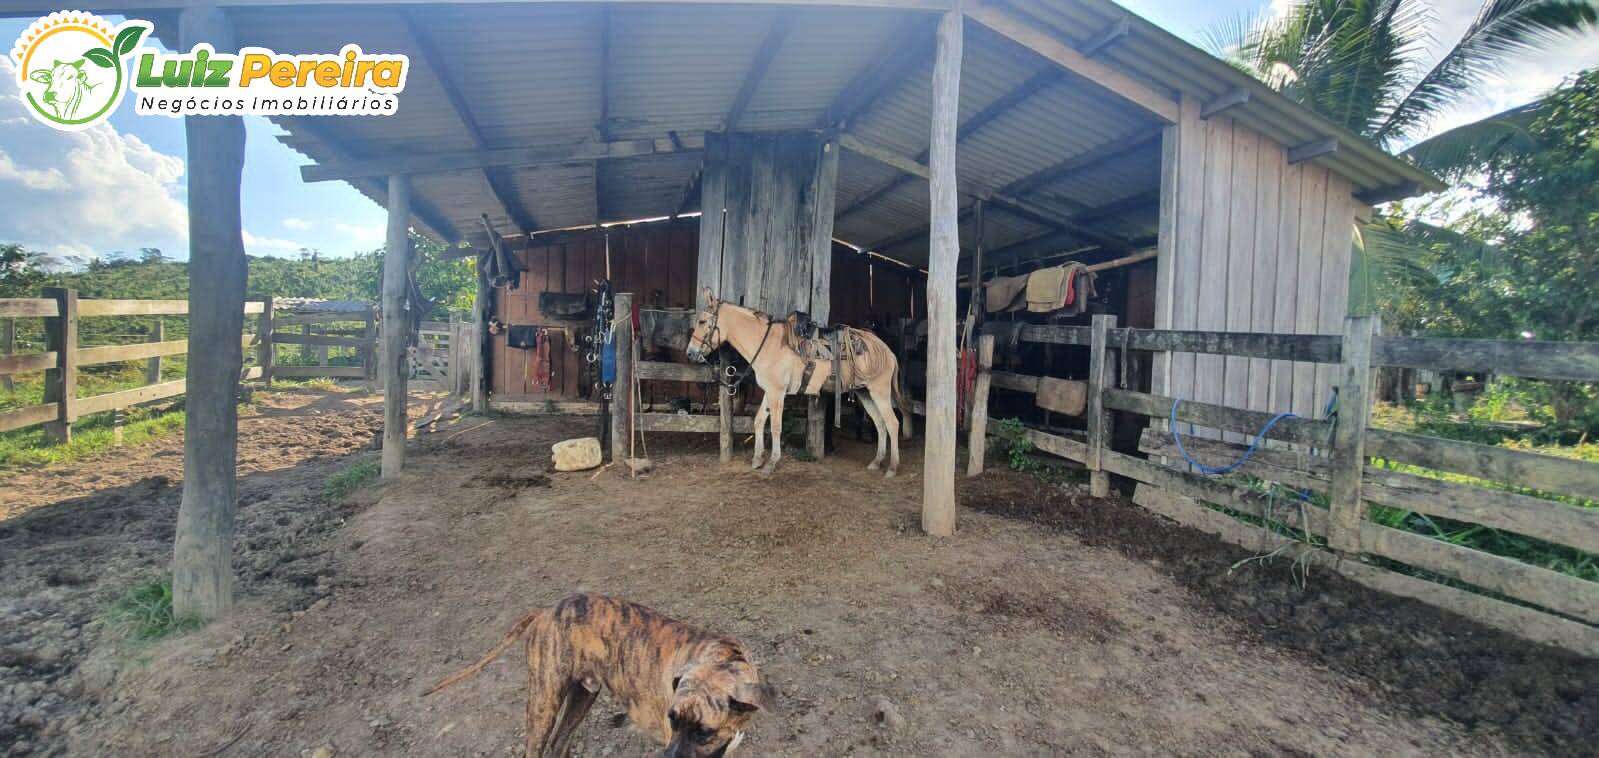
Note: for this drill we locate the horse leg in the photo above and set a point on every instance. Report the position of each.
(876, 414)
(883, 399)
(760, 430)
(774, 399)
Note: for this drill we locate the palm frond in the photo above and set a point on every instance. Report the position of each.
(1468, 147)
(1384, 260)
(1502, 28)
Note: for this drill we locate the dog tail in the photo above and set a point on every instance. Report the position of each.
(510, 639)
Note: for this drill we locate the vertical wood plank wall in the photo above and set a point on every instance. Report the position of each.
(1248, 243)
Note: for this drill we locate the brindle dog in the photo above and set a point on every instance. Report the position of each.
(691, 690)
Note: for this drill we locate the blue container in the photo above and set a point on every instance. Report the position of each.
(608, 362)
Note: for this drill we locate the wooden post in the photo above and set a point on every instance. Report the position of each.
(483, 307)
(1349, 435)
(369, 350)
(724, 410)
(202, 556)
(152, 369)
(977, 438)
(119, 418)
(938, 466)
(61, 382)
(265, 333)
(1098, 417)
(8, 345)
(622, 390)
(815, 426)
(907, 421)
(396, 262)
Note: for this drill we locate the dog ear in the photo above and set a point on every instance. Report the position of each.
(752, 697)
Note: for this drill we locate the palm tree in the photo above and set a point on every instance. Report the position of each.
(1362, 64)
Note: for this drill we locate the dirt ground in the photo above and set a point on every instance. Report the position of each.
(1052, 623)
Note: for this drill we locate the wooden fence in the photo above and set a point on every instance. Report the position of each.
(322, 330)
(1332, 469)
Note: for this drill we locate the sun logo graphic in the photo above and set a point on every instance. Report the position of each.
(70, 67)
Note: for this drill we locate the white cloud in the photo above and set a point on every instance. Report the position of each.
(297, 224)
(363, 235)
(83, 192)
(268, 245)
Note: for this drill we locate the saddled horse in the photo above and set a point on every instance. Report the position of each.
(780, 370)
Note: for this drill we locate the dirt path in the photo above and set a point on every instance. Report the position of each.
(1052, 623)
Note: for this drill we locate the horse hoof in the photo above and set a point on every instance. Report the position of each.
(872, 466)
(889, 475)
(768, 469)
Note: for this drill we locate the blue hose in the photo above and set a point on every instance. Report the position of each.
(1253, 446)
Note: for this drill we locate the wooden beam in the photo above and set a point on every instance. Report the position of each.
(427, 219)
(202, 560)
(424, 163)
(902, 55)
(1312, 149)
(1110, 35)
(1088, 159)
(770, 46)
(500, 189)
(1226, 102)
(1388, 194)
(938, 468)
(1007, 23)
(396, 328)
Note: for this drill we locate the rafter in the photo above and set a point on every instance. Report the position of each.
(1110, 35)
(908, 51)
(1226, 102)
(423, 214)
(498, 187)
(1312, 149)
(770, 47)
(1083, 161)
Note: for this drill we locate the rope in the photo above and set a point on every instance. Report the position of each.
(1253, 446)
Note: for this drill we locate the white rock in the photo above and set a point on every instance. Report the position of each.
(576, 455)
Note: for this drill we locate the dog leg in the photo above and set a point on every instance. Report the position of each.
(546, 689)
(578, 700)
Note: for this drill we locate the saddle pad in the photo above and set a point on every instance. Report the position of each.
(522, 336)
(1062, 395)
(569, 307)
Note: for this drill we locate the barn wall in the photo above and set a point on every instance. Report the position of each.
(1248, 243)
(658, 263)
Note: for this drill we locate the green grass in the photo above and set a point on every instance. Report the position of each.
(28, 448)
(352, 478)
(92, 380)
(144, 614)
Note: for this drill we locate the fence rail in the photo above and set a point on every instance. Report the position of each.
(1336, 467)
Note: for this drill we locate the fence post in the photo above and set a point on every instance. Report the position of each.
(1349, 435)
(1098, 419)
(152, 369)
(265, 334)
(622, 389)
(977, 438)
(816, 426)
(907, 422)
(61, 382)
(8, 345)
(368, 351)
(724, 410)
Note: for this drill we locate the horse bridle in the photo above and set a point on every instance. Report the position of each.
(734, 378)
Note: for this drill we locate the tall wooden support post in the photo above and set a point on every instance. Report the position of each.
(265, 333)
(202, 559)
(938, 467)
(724, 410)
(369, 350)
(1349, 435)
(152, 368)
(396, 325)
(483, 309)
(815, 426)
(622, 390)
(1098, 417)
(61, 382)
(8, 345)
(907, 420)
(977, 438)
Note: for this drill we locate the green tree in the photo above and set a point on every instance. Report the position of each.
(21, 271)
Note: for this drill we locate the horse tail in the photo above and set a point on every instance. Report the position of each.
(510, 638)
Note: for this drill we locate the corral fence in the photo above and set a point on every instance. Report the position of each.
(1306, 492)
(291, 339)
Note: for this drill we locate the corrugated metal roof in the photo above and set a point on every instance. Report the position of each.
(537, 75)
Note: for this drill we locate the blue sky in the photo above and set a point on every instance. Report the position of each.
(122, 187)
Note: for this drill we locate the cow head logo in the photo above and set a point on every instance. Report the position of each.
(70, 67)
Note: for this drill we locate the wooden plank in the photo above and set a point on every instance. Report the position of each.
(1268, 220)
(1555, 591)
(28, 307)
(1286, 291)
(1498, 464)
(1349, 435)
(319, 317)
(1111, 79)
(1523, 514)
(1223, 103)
(1099, 425)
(675, 372)
(1293, 467)
(1241, 262)
(89, 356)
(266, 335)
(1309, 292)
(693, 423)
(311, 372)
(1317, 348)
(30, 416)
(977, 438)
(26, 362)
(1570, 361)
(1214, 287)
(1056, 445)
(1288, 511)
(938, 463)
(1301, 430)
(289, 338)
(152, 366)
(91, 308)
(61, 382)
(1189, 512)
(1338, 233)
(1050, 334)
(1014, 382)
(546, 407)
(622, 397)
(1187, 243)
(126, 398)
(8, 348)
(1316, 148)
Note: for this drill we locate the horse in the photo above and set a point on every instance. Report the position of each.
(780, 370)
